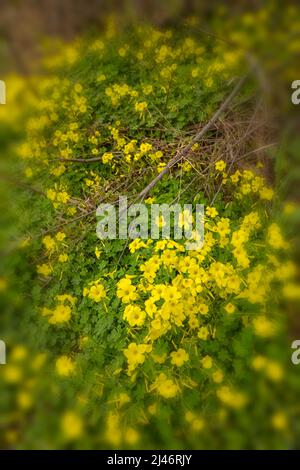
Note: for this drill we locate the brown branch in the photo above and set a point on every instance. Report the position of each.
(78, 160)
(182, 153)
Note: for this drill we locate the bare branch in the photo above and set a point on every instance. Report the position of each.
(182, 153)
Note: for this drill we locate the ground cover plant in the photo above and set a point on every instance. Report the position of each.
(142, 343)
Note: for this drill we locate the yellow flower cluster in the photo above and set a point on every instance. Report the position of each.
(193, 291)
(53, 245)
(58, 197)
(249, 183)
(168, 318)
(62, 312)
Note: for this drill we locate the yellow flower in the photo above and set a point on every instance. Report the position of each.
(101, 78)
(63, 258)
(218, 376)
(156, 324)
(12, 374)
(18, 353)
(266, 194)
(160, 167)
(165, 387)
(203, 309)
(63, 197)
(85, 292)
(51, 194)
(60, 236)
(189, 416)
(220, 165)
(207, 362)
(290, 207)
(223, 227)
(203, 333)
(131, 436)
(291, 291)
(107, 157)
(123, 51)
(186, 166)
(159, 358)
(231, 398)
(263, 327)
(274, 371)
(89, 182)
(61, 314)
(130, 147)
(145, 147)
(150, 268)
(241, 256)
(179, 357)
(134, 315)
(64, 366)
(147, 89)
(211, 212)
(171, 294)
(198, 424)
(136, 244)
(72, 425)
(169, 258)
(126, 291)
(235, 177)
(123, 398)
(230, 308)
(152, 409)
(239, 237)
(259, 362)
(275, 238)
(78, 88)
(44, 269)
(135, 354)
(279, 421)
(193, 322)
(97, 292)
(71, 210)
(141, 106)
(28, 172)
(49, 243)
(24, 400)
(209, 82)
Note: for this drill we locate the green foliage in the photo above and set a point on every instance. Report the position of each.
(140, 344)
